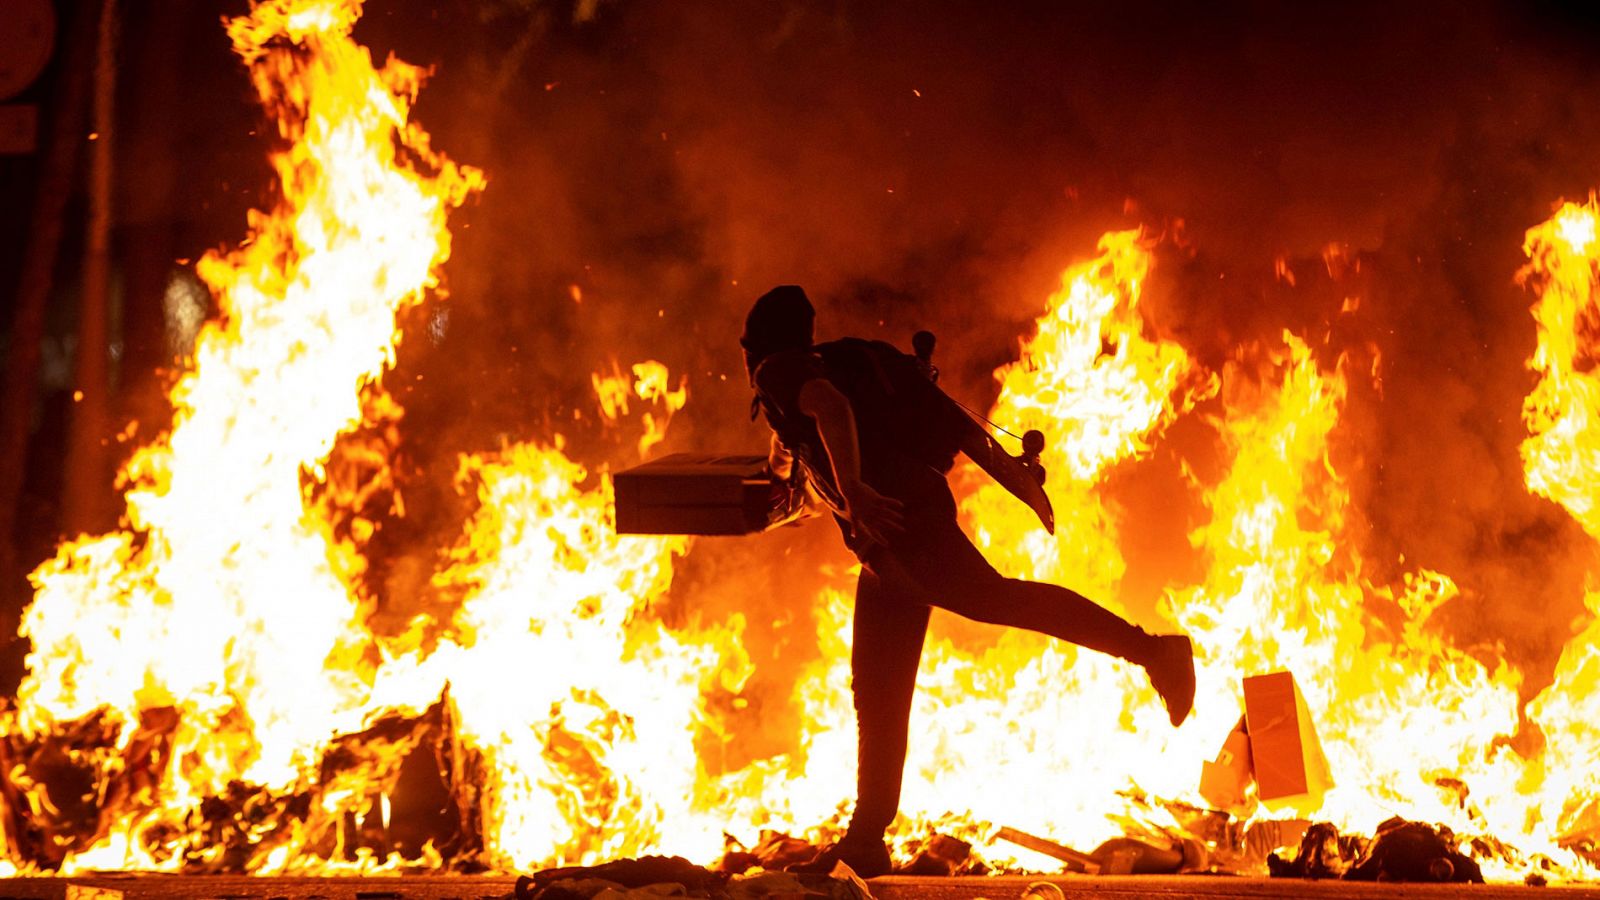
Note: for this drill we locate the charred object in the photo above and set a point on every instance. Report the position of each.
(1399, 851)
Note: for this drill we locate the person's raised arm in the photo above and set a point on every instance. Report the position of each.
(875, 516)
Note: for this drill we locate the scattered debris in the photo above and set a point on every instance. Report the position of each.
(1262, 839)
(1413, 851)
(789, 886)
(939, 855)
(1225, 782)
(1213, 827)
(662, 876)
(50, 785)
(1119, 856)
(773, 851)
(1076, 861)
(631, 873)
(1400, 851)
(1131, 856)
(62, 791)
(1324, 853)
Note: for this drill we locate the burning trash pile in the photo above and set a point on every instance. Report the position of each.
(208, 691)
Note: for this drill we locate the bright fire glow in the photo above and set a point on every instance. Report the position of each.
(225, 597)
(210, 681)
(1563, 419)
(1101, 389)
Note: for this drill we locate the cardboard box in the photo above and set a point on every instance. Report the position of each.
(1290, 768)
(695, 493)
(1225, 782)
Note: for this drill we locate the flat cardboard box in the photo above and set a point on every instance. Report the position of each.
(699, 493)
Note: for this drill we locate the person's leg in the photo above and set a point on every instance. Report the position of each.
(887, 646)
(947, 571)
(953, 575)
(884, 654)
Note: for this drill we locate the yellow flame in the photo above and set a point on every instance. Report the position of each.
(222, 596)
(650, 382)
(1563, 449)
(1284, 590)
(584, 707)
(1563, 418)
(1101, 388)
(216, 653)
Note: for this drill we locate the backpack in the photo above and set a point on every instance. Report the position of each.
(902, 415)
(898, 409)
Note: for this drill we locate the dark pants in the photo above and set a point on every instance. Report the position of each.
(934, 564)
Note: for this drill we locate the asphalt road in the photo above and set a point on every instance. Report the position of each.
(895, 887)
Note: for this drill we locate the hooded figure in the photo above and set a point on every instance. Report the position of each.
(781, 319)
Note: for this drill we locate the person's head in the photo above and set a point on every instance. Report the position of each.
(781, 319)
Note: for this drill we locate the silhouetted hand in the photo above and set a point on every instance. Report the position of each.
(873, 516)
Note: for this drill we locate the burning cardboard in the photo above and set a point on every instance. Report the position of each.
(1275, 746)
(251, 623)
(1290, 768)
(1225, 782)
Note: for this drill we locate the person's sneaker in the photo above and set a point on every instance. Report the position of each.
(1172, 675)
(868, 859)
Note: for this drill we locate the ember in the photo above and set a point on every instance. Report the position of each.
(258, 671)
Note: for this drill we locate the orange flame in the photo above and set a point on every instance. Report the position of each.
(1563, 418)
(1563, 449)
(1101, 390)
(216, 651)
(224, 596)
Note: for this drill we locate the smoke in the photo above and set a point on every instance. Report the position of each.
(657, 166)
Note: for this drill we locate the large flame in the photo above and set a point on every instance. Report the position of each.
(1562, 452)
(1285, 590)
(583, 707)
(206, 691)
(1560, 456)
(226, 597)
(1101, 389)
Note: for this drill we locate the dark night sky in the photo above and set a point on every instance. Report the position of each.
(675, 159)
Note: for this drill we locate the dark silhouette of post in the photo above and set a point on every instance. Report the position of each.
(86, 483)
(69, 115)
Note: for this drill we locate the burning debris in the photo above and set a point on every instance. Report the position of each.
(1398, 851)
(1273, 748)
(657, 876)
(583, 882)
(209, 691)
(1121, 856)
